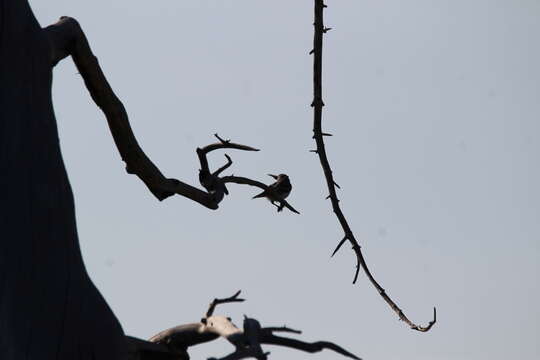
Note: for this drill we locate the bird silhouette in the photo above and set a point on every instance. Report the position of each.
(278, 190)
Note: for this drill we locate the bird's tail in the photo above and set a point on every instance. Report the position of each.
(263, 194)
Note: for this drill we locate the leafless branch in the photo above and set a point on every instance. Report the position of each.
(260, 185)
(224, 167)
(281, 329)
(211, 181)
(247, 341)
(305, 346)
(318, 135)
(217, 301)
(67, 38)
(222, 144)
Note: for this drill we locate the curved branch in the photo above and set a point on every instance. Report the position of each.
(318, 135)
(305, 346)
(67, 38)
(246, 181)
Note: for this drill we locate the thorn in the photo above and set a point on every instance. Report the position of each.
(328, 197)
(356, 273)
(325, 30)
(314, 151)
(336, 184)
(339, 246)
(311, 52)
(326, 134)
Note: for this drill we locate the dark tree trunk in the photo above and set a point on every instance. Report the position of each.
(49, 308)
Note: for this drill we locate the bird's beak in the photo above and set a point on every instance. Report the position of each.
(274, 176)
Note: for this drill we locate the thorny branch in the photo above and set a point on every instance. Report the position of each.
(247, 341)
(318, 135)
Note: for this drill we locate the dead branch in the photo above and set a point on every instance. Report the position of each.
(222, 144)
(305, 346)
(67, 38)
(260, 185)
(217, 301)
(211, 180)
(318, 135)
(247, 341)
(281, 329)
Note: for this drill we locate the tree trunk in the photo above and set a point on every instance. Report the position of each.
(49, 308)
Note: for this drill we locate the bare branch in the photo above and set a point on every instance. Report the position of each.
(318, 135)
(281, 329)
(67, 38)
(217, 301)
(246, 181)
(247, 341)
(222, 144)
(305, 346)
(224, 167)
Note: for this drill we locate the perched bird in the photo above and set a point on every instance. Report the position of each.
(277, 191)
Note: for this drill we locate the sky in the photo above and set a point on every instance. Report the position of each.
(434, 107)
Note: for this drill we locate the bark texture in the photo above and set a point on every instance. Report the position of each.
(49, 308)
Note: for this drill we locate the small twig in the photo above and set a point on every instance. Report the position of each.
(224, 167)
(222, 144)
(217, 301)
(221, 140)
(281, 329)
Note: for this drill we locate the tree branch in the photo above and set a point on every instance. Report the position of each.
(67, 38)
(305, 346)
(247, 342)
(318, 134)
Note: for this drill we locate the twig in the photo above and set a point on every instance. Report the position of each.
(217, 301)
(281, 329)
(222, 144)
(318, 134)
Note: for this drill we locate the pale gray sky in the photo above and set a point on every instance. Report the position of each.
(435, 110)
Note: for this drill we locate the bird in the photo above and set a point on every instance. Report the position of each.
(278, 190)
